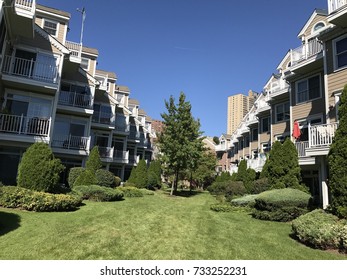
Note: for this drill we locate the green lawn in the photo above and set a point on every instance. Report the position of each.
(151, 227)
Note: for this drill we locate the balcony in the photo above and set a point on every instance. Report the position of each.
(75, 100)
(134, 136)
(121, 128)
(134, 160)
(25, 8)
(106, 153)
(337, 12)
(120, 156)
(222, 147)
(104, 119)
(257, 163)
(75, 51)
(27, 70)
(15, 126)
(71, 142)
(320, 138)
(306, 54)
(278, 89)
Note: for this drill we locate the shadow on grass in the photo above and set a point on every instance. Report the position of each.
(183, 193)
(8, 222)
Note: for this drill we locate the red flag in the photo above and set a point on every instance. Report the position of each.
(296, 130)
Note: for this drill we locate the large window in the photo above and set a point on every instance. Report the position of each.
(265, 124)
(308, 89)
(50, 26)
(282, 112)
(85, 63)
(341, 53)
(254, 134)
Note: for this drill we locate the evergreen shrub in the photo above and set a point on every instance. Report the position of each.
(244, 201)
(74, 173)
(39, 170)
(321, 230)
(105, 178)
(260, 185)
(129, 191)
(17, 197)
(87, 177)
(98, 193)
(117, 181)
(94, 162)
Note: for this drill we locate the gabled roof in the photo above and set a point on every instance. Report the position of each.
(314, 14)
(53, 11)
(142, 112)
(283, 60)
(111, 75)
(133, 101)
(51, 39)
(90, 51)
(124, 89)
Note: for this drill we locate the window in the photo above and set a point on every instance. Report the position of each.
(255, 134)
(318, 26)
(85, 63)
(308, 89)
(50, 27)
(265, 124)
(282, 112)
(341, 53)
(265, 147)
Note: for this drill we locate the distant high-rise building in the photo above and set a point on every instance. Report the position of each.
(238, 106)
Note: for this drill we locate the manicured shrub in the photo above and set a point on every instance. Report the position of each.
(39, 170)
(117, 181)
(98, 193)
(17, 197)
(337, 162)
(319, 229)
(154, 174)
(244, 201)
(105, 178)
(224, 176)
(227, 188)
(87, 177)
(281, 204)
(129, 191)
(141, 174)
(94, 162)
(74, 173)
(260, 185)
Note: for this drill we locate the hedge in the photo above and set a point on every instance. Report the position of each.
(129, 191)
(245, 201)
(227, 188)
(281, 204)
(98, 193)
(17, 197)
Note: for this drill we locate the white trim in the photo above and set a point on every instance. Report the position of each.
(335, 54)
(51, 39)
(88, 64)
(261, 124)
(282, 104)
(307, 24)
(52, 14)
(44, 20)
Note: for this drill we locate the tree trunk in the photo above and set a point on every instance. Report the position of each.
(175, 184)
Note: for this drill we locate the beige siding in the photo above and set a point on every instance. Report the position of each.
(61, 27)
(280, 128)
(317, 19)
(314, 107)
(264, 137)
(253, 145)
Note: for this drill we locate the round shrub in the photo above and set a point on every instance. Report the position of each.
(130, 191)
(227, 188)
(105, 178)
(318, 229)
(244, 201)
(117, 181)
(74, 173)
(281, 204)
(17, 197)
(260, 185)
(98, 193)
(39, 170)
(87, 177)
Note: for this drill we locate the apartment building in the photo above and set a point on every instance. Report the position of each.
(238, 106)
(52, 92)
(306, 91)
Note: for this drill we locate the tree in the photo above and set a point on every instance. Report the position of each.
(39, 170)
(181, 141)
(141, 177)
(216, 140)
(282, 168)
(337, 162)
(205, 173)
(94, 162)
(154, 174)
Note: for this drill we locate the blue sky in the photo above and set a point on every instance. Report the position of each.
(209, 49)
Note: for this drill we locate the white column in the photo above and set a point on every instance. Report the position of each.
(323, 182)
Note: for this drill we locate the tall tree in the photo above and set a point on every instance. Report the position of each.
(337, 162)
(181, 141)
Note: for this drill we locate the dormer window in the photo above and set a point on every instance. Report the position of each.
(85, 63)
(318, 26)
(50, 27)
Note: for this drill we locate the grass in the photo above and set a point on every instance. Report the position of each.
(151, 227)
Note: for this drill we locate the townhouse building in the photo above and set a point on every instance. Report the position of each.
(51, 91)
(305, 90)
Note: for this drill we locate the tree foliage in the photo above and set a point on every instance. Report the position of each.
(39, 170)
(282, 168)
(205, 173)
(154, 174)
(181, 141)
(94, 162)
(337, 162)
(216, 140)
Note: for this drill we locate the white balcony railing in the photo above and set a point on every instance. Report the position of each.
(134, 159)
(28, 5)
(334, 5)
(256, 164)
(322, 135)
(301, 147)
(31, 69)
(75, 49)
(121, 155)
(75, 99)
(71, 142)
(25, 125)
(305, 51)
(106, 152)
